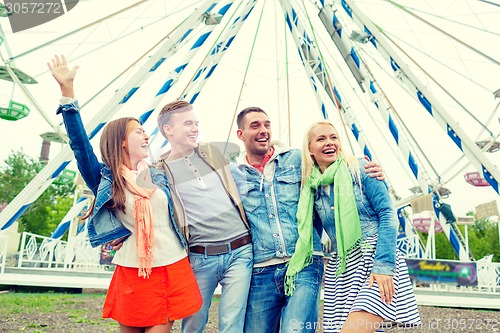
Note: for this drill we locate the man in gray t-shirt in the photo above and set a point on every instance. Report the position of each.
(207, 204)
(220, 249)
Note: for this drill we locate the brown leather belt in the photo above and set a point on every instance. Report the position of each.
(223, 248)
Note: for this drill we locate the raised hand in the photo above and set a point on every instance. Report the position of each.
(63, 74)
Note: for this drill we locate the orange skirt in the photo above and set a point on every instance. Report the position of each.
(170, 293)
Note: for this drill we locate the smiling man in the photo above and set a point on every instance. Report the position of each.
(220, 249)
(269, 181)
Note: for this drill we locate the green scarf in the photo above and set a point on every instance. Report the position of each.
(347, 226)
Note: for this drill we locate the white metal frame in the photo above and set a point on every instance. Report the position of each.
(4, 241)
(409, 246)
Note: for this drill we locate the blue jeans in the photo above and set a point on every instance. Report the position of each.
(268, 306)
(233, 271)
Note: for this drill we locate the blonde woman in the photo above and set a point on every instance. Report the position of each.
(366, 280)
(153, 283)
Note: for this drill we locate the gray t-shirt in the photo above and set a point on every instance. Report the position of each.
(213, 219)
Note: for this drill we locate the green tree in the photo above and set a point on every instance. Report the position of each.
(444, 250)
(47, 211)
(483, 239)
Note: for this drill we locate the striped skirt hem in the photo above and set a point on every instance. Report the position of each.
(349, 292)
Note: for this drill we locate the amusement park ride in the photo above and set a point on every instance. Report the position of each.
(339, 26)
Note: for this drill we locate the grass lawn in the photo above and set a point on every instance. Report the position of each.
(65, 312)
(53, 312)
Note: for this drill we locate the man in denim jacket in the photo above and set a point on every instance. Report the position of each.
(269, 180)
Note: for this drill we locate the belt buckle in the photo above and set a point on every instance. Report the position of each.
(218, 249)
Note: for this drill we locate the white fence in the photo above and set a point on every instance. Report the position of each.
(409, 247)
(76, 255)
(488, 275)
(45, 252)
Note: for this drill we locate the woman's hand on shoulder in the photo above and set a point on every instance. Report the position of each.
(385, 285)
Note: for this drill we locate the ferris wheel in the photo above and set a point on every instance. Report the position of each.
(408, 87)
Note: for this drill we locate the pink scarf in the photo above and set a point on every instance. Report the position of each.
(143, 216)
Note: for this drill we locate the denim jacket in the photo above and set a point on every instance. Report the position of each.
(270, 200)
(103, 226)
(376, 215)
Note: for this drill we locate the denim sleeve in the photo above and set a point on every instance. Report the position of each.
(233, 167)
(377, 195)
(87, 162)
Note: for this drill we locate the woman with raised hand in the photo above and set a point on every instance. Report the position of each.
(367, 284)
(153, 283)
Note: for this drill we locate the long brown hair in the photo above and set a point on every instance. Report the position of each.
(113, 154)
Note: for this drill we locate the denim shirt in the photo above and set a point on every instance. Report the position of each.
(376, 215)
(103, 226)
(270, 200)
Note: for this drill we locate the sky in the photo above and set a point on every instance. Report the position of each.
(262, 68)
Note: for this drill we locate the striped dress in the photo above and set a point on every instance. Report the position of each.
(349, 292)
